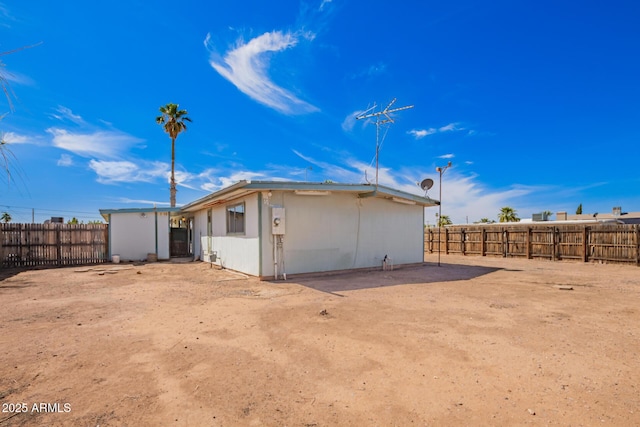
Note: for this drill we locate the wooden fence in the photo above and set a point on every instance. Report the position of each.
(594, 242)
(27, 245)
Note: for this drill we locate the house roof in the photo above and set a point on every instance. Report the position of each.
(105, 212)
(245, 187)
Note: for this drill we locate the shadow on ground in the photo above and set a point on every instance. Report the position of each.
(426, 273)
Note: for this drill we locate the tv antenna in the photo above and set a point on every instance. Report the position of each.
(382, 117)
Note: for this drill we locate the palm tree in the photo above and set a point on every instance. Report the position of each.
(508, 214)
(485, 221)
(444, 220)
(5, 217)
(173, 121)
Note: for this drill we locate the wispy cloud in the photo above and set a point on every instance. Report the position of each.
(101, 144)
(142, 201)
(5, 16)
(65, 160)
(421, 133)
(17, 78)
(63, 113)
(372, 70)
(350, 121)
(111, 172)
(222, 181)
(447, 156)
(324, 3)
(246, 66)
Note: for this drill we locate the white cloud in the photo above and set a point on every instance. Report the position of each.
(350, 121)
(65, 160)
(447, 156)
(246, 66)
(100, 144)
(419, 134)
(451, 127)
(462, 195)
(324, 3)
(65, 113)
(224, 181)
(142, 201)
(110, 172)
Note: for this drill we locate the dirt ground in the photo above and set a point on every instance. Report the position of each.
(477, 341)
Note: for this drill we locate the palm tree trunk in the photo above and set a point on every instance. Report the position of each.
(172, 187)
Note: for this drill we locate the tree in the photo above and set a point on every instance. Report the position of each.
(5, 217)
(173, 121)
(74, 220)
(508, 214)
(444, 220)
(485, 221)
(579, 210)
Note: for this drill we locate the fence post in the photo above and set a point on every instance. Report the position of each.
(58, 245)
(2, 245)
(528, 242)
(585, 244)
(462, 235)
(505, 243)
(638, 245)
(430, 241)
(483, 241)
(555, 243)
(446, 241)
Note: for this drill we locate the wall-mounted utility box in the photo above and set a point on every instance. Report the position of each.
(277, 220)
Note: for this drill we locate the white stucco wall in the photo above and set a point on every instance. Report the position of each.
(132, 235)
(238, 252)
(340, 231)
(323, 233)
(199, 232)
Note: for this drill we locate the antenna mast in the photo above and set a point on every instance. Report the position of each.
(380, 120)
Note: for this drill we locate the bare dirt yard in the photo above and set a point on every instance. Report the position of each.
(477, 341)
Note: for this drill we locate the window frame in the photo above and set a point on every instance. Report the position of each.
(233, 212)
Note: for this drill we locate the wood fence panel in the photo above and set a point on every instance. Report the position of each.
(493, 242)
(619, 243)
(517, 243)
(29, 245)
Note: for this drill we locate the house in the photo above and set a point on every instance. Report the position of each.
(136, 233)
(616, 216)
(273, 228)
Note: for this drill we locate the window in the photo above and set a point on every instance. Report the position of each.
(235, 219)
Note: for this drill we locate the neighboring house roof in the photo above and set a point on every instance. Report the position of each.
(625, 217)
(246, 187)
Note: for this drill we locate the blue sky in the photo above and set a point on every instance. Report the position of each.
(535, 103)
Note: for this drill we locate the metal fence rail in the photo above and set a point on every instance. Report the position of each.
(619, 243)
(28, 245)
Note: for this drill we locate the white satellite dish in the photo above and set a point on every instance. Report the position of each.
(426, 184)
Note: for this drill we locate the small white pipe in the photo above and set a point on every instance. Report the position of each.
(275, 257)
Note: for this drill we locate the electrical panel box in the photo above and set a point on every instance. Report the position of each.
(277, 220)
